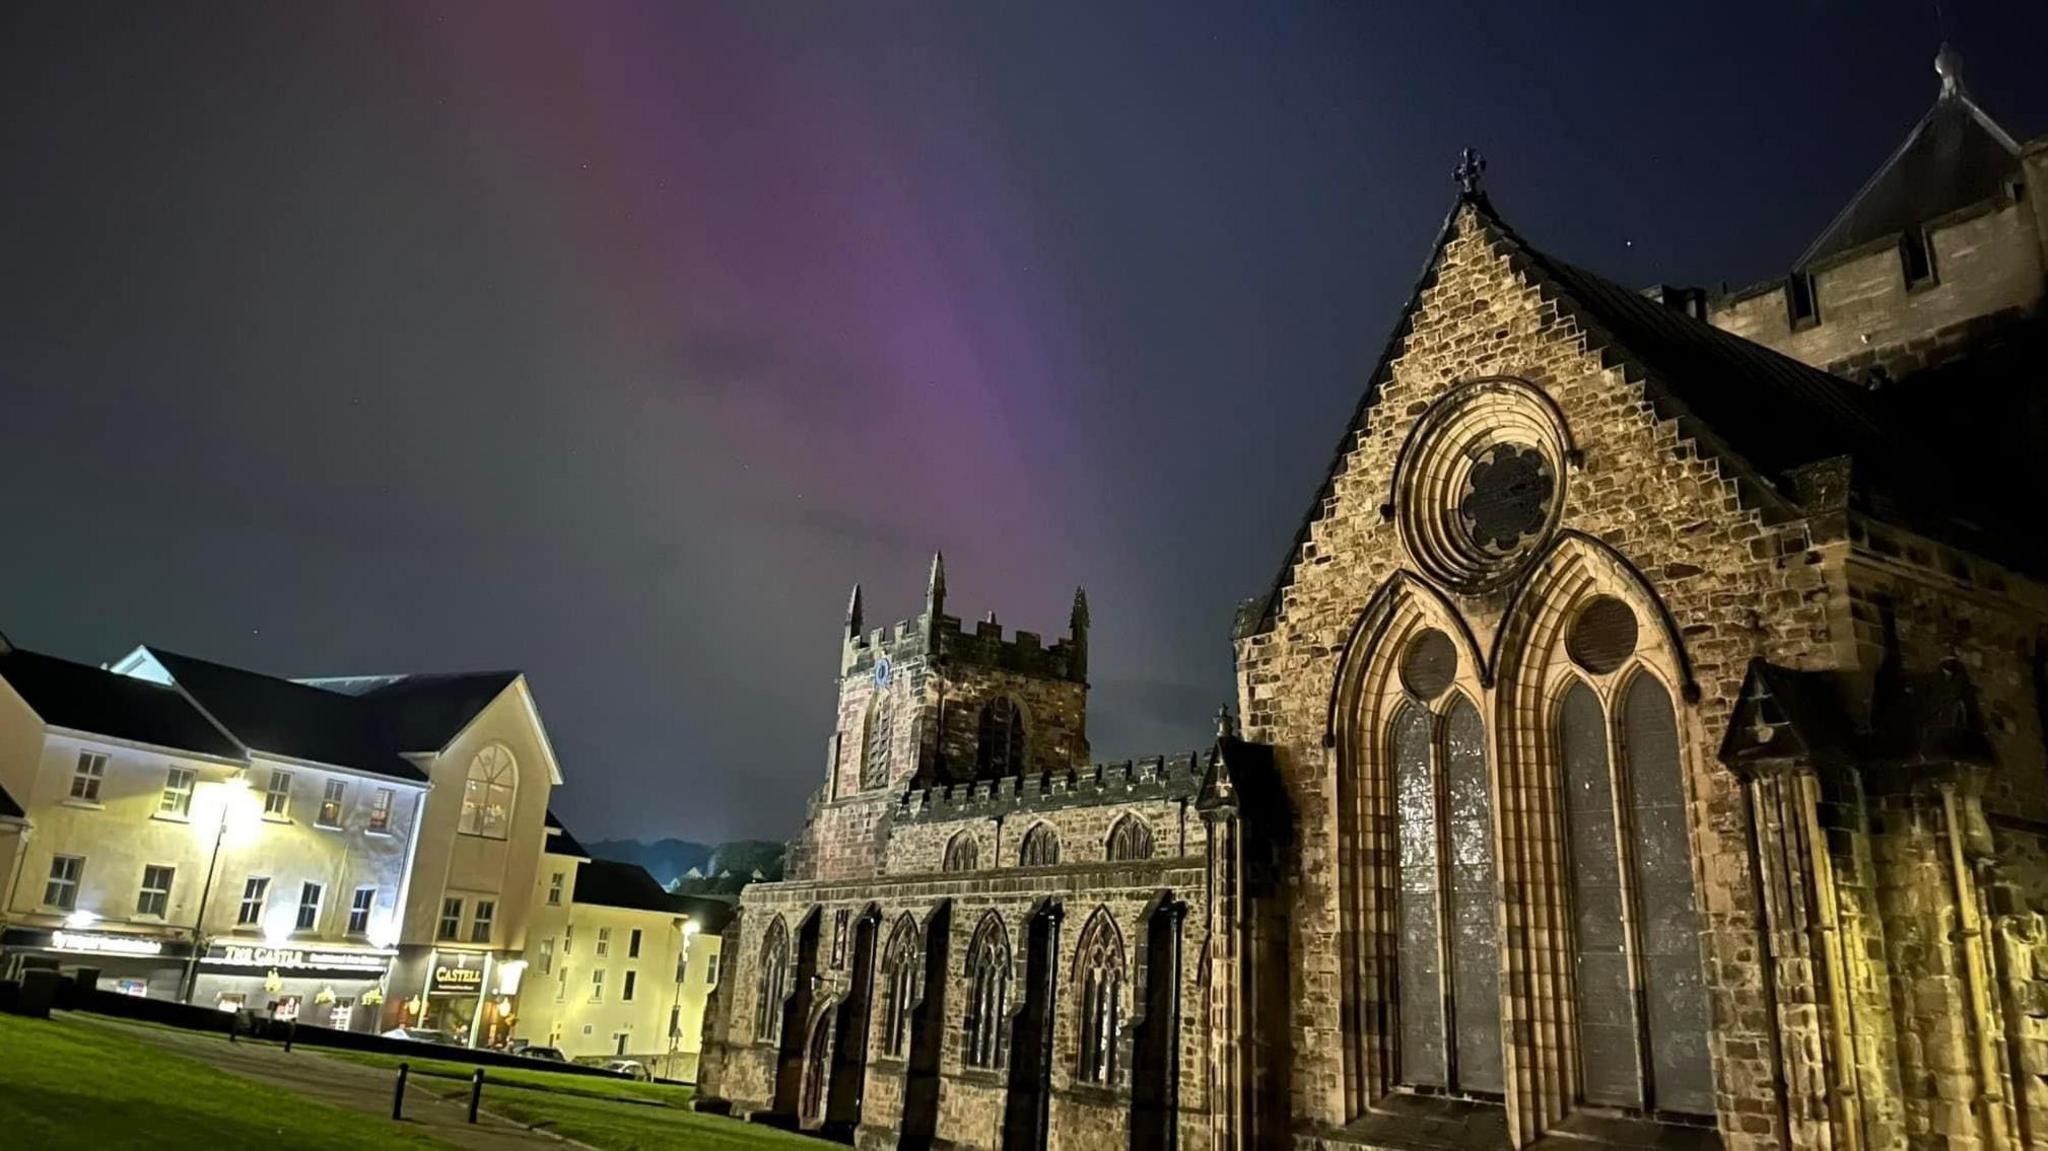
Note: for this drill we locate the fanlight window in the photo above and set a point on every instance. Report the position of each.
(902, 983)
(999, 749)
(1101, 976)
(487, 793)
(1041, 847)
(1130, 840)
(774, 984)
(881, 729)
(988, 979)
(963, 853)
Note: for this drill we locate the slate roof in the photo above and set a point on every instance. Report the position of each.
(288, 719)
(610, 883)
(90, 699)
(563, 843)
(1760, 412)
(1954, 157)
(424, 712)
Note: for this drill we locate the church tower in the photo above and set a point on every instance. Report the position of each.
(931, 702)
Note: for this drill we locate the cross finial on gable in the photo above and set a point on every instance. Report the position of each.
(1471, 165)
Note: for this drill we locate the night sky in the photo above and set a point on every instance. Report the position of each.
(615, 343)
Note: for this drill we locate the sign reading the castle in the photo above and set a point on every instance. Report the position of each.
(294, 958)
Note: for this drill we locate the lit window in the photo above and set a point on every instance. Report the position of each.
(156, 891)
(309, 906)
(330, 803)
(626, 993)
(604, 942)
(254, 891)
(555, 889)
(62, 890)
(177, 797)
(633, 944)
(480, 927)
(359, 910)
(596, 984)
(86, 778)
(451, 919)
(277, 794)
(711, 969)
(487, 794)
(547, 955)
(380, 810)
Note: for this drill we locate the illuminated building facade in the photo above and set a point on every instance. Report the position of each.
(616, 966)
(358, 852)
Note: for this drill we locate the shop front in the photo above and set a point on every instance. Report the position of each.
(130, 963)
(338, 987)
(469, 996)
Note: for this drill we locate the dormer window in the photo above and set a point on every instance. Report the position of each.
(1802, 309)
(1916, 258)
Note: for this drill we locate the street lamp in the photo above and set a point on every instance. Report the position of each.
(229, 807)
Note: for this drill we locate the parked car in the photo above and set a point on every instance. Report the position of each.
(630, 1068)
(422, 1035)
(551, 1054)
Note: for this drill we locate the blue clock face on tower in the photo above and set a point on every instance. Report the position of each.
(882, 673)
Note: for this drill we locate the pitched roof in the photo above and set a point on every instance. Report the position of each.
(288, 719)
(91, 699)
(560, 842)
(1954, 157)
(610, 883)
(710, 912)
(424, 712)
(1762, 413)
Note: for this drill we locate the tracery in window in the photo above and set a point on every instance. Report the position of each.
(963, 852)
(988, 995)
(1130, 840)
(879, 737)
(488, 791)
(999, 744)
(1041, 847)
(1099, 968)
(774, 976)
(902, 984)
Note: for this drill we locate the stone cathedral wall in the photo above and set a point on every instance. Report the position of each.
(1737, 584)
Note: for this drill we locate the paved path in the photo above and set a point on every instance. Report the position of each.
(344, 1084)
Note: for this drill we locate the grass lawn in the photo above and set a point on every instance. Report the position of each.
(609, 1114)
(65, 1084)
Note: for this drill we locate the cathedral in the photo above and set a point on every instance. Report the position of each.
(1641, 744)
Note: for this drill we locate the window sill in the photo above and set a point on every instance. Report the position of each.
(270, 818)
(983, 1076)
(1095, 1093)
(379, 832)
(327, 826)
(82, 804)
(171, 817)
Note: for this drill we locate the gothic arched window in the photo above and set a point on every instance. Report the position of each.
(878, 738)
(1130, 840)
(963, 852)
(901, 982)
(999, 748)
(1041, 847)
(1446, 946)
(488, 791)
(988, 994)
(1634, 909)
(774, 978)
(1099, 968)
